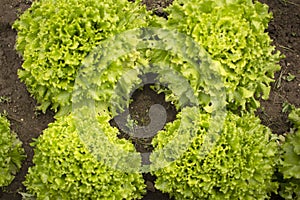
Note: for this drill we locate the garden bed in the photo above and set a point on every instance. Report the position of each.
(29, 123)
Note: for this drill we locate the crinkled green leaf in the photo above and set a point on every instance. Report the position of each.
(290, 160)
(11, 153)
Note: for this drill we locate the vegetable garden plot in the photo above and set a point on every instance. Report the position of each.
(235, 102)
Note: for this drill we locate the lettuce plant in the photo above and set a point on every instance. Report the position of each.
(240, 165)
(11, 153)
(55, 36)
(290, 162)
(65, 169)
(233, 33)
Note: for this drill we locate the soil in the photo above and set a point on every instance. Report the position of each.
(284, 29)
(29, 123)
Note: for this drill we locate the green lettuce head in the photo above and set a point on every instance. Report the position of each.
(240, 164)
(11, 153)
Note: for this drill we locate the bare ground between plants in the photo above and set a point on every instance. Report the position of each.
(29, 123)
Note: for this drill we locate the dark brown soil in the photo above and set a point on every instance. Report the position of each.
(16, 101)
(284, 29)
(142, 100)
(29, 123)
